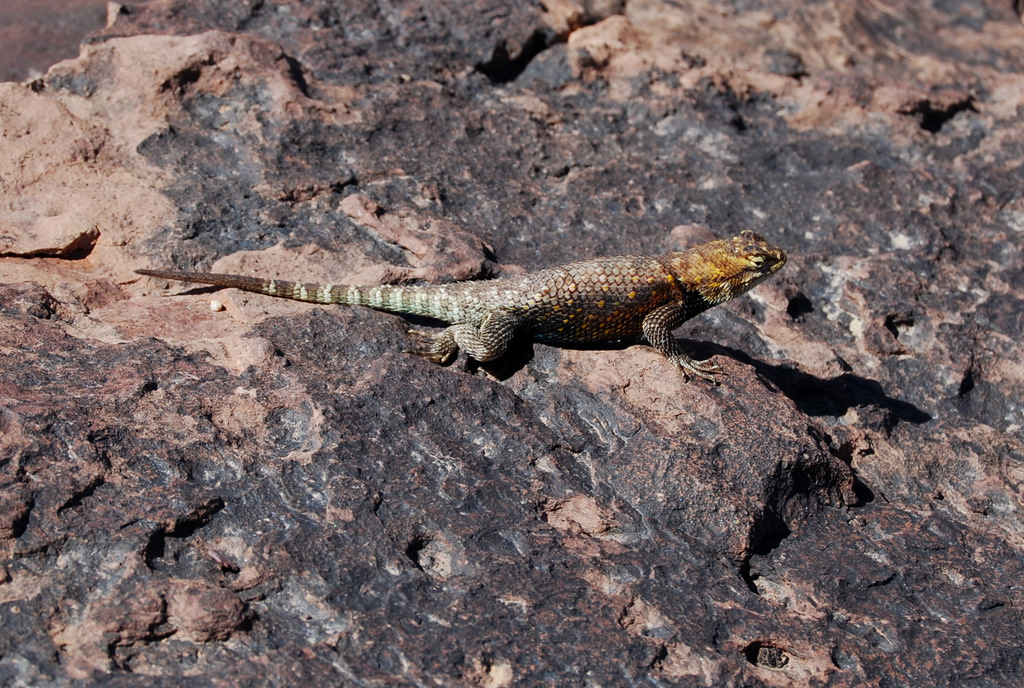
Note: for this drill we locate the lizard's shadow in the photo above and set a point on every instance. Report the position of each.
(834, 396)
(813, 395)
(522, 351)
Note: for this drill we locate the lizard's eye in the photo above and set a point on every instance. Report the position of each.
(756, 262)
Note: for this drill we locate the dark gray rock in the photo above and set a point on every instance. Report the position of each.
(275, 493)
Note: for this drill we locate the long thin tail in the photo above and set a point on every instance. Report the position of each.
(299, 291)
(420, 300)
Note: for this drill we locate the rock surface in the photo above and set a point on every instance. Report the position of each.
(275, 493)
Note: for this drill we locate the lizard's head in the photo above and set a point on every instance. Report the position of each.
(727, 268)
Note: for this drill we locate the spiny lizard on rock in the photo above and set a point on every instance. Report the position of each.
(587, 302)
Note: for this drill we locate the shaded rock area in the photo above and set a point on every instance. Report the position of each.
(272, 492)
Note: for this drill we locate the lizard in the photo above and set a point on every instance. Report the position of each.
(585, 302)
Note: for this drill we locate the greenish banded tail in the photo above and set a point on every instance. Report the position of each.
(419, 300)
(298, 291)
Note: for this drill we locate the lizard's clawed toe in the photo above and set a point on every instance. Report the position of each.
(705, 369)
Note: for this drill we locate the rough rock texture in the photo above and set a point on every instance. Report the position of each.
(275, 493)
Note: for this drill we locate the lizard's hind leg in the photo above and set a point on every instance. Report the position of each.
(439, 348)
(486, 342)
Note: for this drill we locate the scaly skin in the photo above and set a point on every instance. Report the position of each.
(587, 302)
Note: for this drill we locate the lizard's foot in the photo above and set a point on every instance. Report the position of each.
(483, 343)
(439, 348)
(705, 369)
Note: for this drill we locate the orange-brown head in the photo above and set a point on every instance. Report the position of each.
(723, 269)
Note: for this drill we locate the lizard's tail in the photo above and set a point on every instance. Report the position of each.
(389, 298)
(299, 291)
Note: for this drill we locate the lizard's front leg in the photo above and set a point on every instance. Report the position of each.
(484, 342)
(658, 326)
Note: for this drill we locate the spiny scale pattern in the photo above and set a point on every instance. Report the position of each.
(590, 301)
